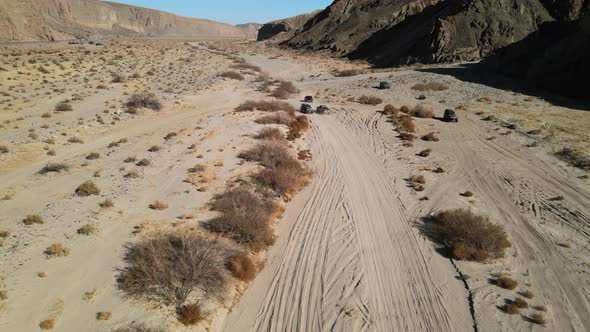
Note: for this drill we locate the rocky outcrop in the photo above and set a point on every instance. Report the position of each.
(566, 10)
(554, 58)
(398, 32)
(284, 29)
(31, 20)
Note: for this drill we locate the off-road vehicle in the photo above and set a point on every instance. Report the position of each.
(384, 85)
(322, 109)
(306, 109)
(308, 99)
(450, 116)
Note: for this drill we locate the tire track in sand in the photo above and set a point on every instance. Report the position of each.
(352, 261)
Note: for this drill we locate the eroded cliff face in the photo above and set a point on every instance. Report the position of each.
(397, 32)
(29, 20)
(554, 58)
(284, 29)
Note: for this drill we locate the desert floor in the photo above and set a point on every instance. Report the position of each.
(349, 253)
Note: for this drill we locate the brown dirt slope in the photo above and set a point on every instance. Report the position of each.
(29, 20)
(284, 29)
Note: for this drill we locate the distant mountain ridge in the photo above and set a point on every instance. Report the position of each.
(32, 20)
(284, 29)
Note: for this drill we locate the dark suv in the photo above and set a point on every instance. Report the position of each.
(450, 116)
(308, 99)
(306, 108)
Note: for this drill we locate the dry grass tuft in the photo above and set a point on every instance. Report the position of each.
(540, 308)
(87, 229)
(242, 267)
(537, 319)
(32, 219)
(93, 156)
(279, 117)
(169, 267)
(245, 218)
(285, 90)
(298, 127)
(425, 153)
(467, 236)
(269, 133)
(234, 75)
(370, 100)
(521, 303)
(268, 154)
(87, 188)
(158, 205)
(54, 168)
(430, 86)
(189, 314)
(57, 250)
(104, 315)
(143, 162)
(506, 282)
(144, 100)
(47, 324)
(430, 137)
(265, 106)
(574, 158)
(511, 308)
(63, 106)
(197, 168)
(107, 203)
(4, 149)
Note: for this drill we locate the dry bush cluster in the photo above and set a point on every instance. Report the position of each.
(370, 100)
(245, 218)
(279, 117)
(285, 90)
(234, 75)
(265, 106)
(54, 168)
(430, 86)
(169, 268)
(347, 72)
(87, 188)
(269, 133)
(144, 100)
(298, 127)
(467, 236)
(574, 158)
(419, 111)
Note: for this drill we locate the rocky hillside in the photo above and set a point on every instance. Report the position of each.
(31, 20)
(554, 58)
(284, 29)
(397, 32)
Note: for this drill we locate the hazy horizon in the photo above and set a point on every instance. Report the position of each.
(231, 11)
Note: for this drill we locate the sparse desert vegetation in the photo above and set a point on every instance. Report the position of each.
(467, 236)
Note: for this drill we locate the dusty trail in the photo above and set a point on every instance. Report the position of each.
(352, 261)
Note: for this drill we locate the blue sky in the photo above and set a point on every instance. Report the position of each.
(233, 11)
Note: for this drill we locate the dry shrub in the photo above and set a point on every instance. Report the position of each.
(521, 303)
(169, 267)
(506, 282)
(139, 327)
(63, 106)
(245, 218)
(430, 137)
(439, 170)
(189, 314)
(298, 127)
(347, 72)
(540, 307)
(284, 180)
(118, 78)
(280, 117)
(158, 205)
(511, 308)
(144, 99)
(285, 90)
(467, 236)
(390, 110)
(466, 194)
(33, 219)
(430, 86)
(107, 203)
(419, 111)
(93, 156)
(269, 134)
(197, 168)
(265, 106)
(87, 188)
(87, 229)
(3, 149)
(47, 324)
(404, 124)
(154, 148)
(574, 158)
(527, 293)
(143, 162)
(370, 100)
(54, 168)
(418, 179)
(234, 75)
(57, 250)
(537, 319)
(425, 153)
(242, 267)
(268, 154)
(104, 315)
